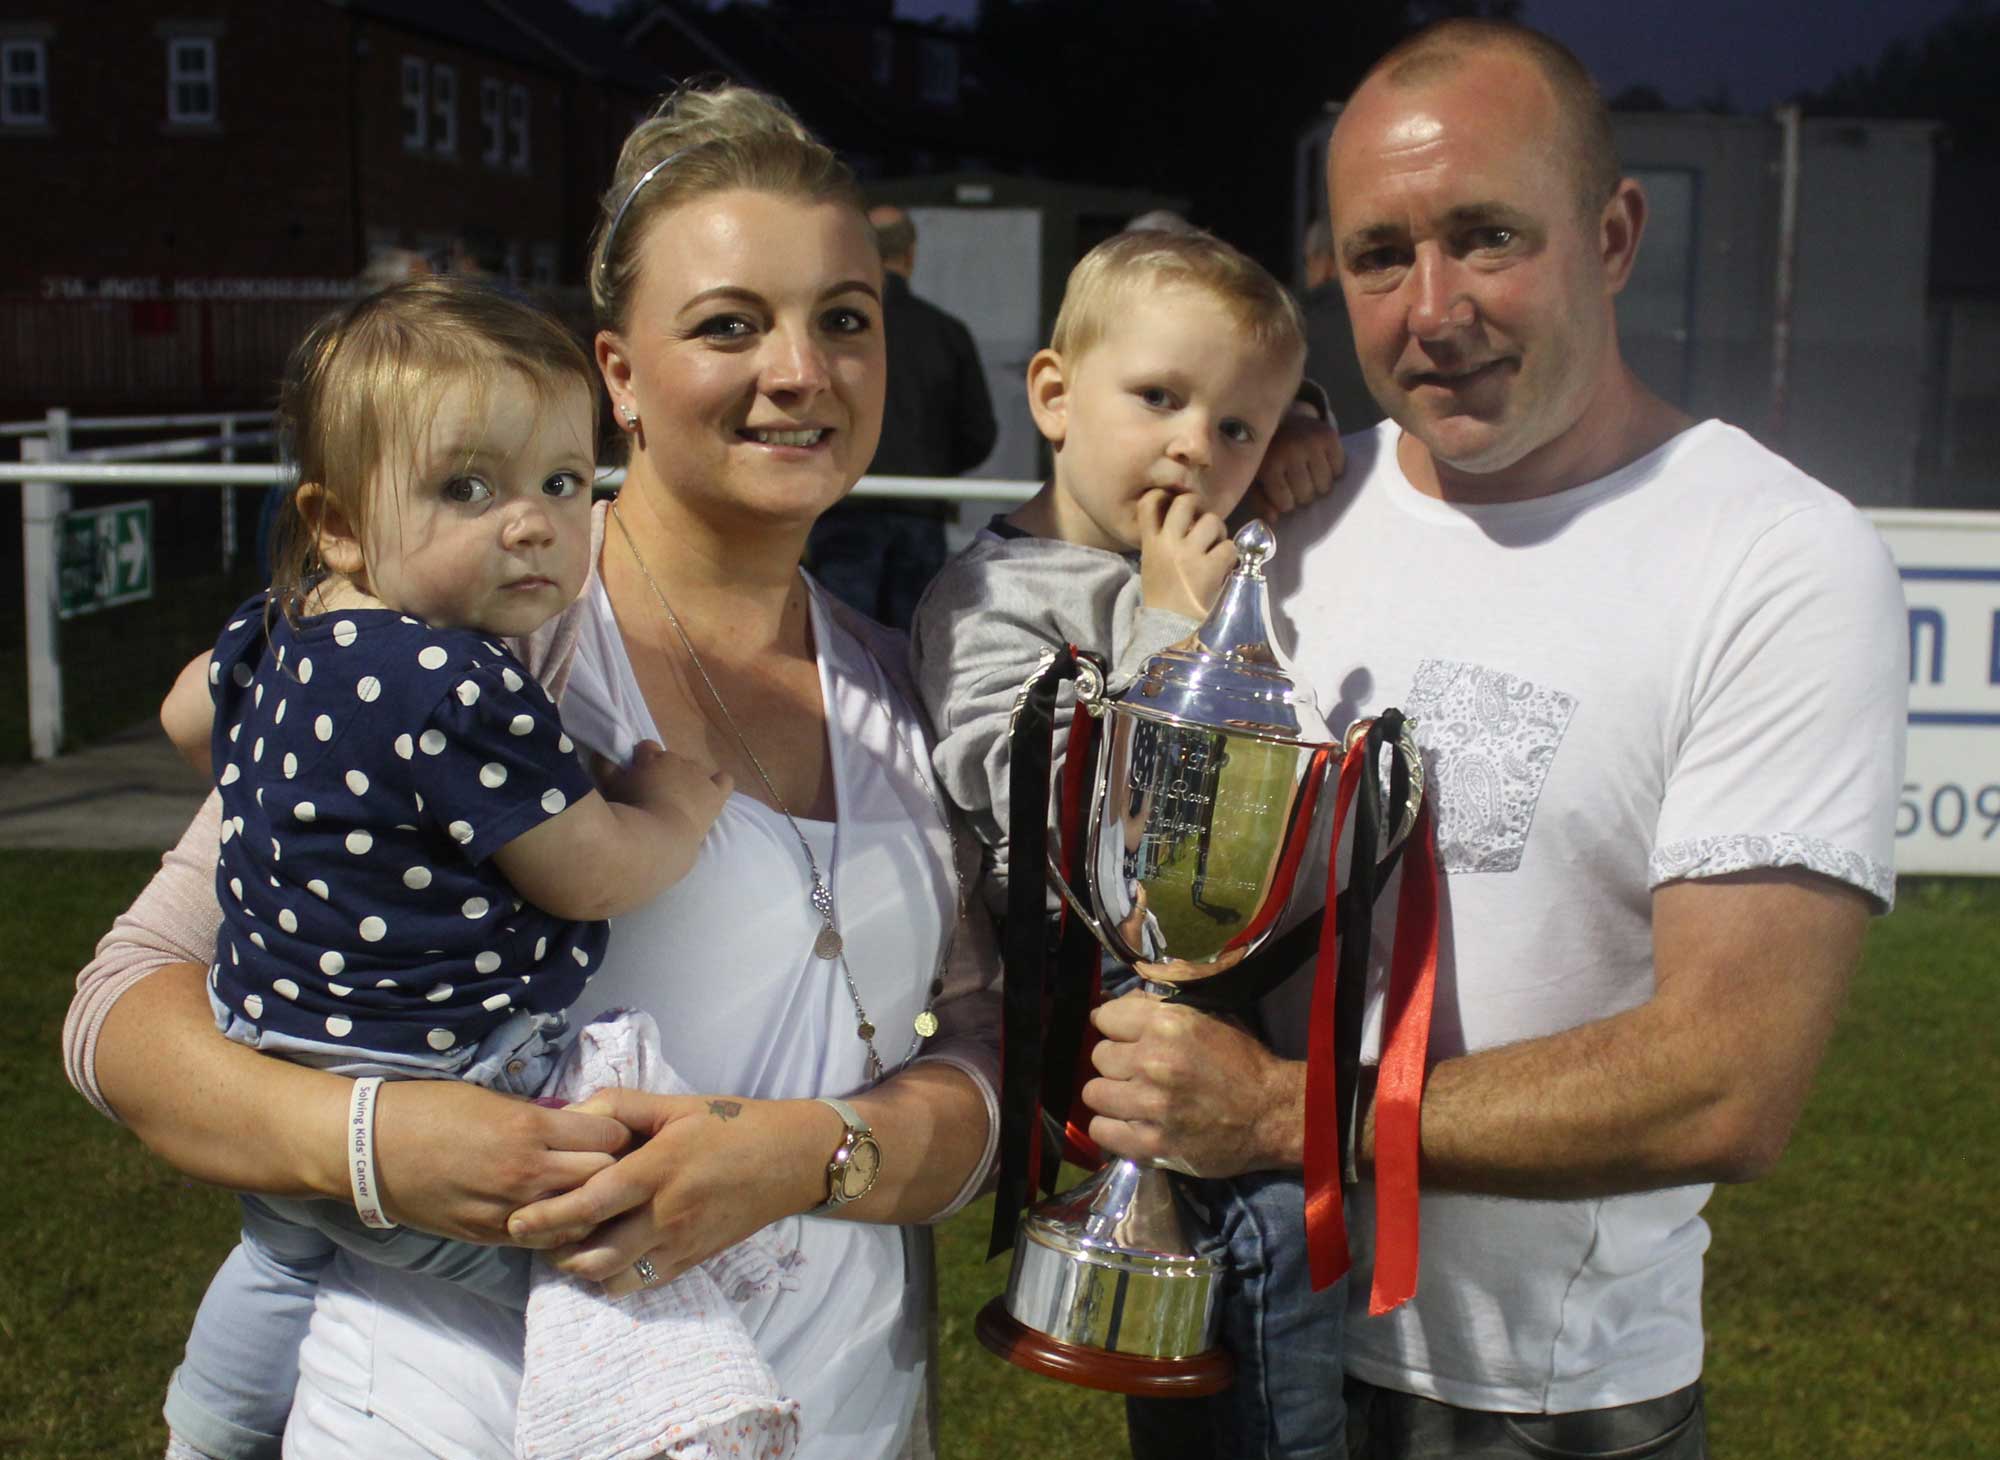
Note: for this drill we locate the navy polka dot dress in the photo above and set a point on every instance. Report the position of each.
(370, 766)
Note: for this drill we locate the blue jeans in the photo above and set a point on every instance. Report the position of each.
(1388, 1425)
(232, 1393)
(1286, 1402)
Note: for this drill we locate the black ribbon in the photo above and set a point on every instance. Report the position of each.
(1024, 941)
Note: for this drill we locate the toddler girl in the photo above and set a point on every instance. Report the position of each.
(415, 869)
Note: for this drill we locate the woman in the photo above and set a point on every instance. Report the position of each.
(820, 937)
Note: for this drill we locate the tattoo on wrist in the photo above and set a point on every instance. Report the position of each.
(725, 1109)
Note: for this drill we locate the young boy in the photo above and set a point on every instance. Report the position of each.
(1173, 361)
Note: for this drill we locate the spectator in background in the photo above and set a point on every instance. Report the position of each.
(937, 422)
(1330, 359)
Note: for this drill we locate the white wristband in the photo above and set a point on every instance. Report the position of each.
(361, 1152)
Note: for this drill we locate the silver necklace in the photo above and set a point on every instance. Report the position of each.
(827, 945)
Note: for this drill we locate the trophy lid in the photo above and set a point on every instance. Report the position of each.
(1230, 673)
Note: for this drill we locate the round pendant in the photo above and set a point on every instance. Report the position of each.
(927, 1024)
(827, 944)
(866, 1030)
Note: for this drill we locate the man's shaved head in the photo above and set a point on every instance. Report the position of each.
(1438, 50)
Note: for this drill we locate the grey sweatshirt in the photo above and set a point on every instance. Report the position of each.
(978, 633)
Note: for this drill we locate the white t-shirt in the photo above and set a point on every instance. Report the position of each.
(397, 1365)
(1693, 666)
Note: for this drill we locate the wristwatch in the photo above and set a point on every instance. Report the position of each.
(856, 1162)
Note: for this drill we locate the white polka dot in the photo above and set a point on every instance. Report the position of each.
(475, 907)
(228, 831)
(417, 878)
(257, 697)
(432, 657)
(281, 656)
(487, 962)
(230, 774)
(358, 842)
(241, 674)
(214, 672)
(339, 1025)
(235, 731)
(404, 746)
(438, 992)
(305, 811)
(468, 693)
(439, 1040)
(497, 1002)
(279, 718)
(565, 744)
(305, 670)
(541, 949)
(404, 826)
(431, 742)
(258, 939)
(253, 1006)
(323, 727)
(277, 855)
(236, 886)
(288, 920)
(406, 618)
(276, 883)
(582, 958)
(257, 750)
(357, 783)
(339, 990)
(368, 689)
(385, 983)
(239, 824)
(235, 958)
(260, 797)
(344, 632)
(373, 930)
(291, 765)
(420, 799)
(553, 801)
(520, 725)
(461, 832)
(331, 963)
(493, 775)
(317, 888)
(286, 988)
(512, 680)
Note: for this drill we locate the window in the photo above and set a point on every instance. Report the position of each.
(191, 79)
(444, 111)
(492, 134)
(884, 56)
(937, 76)
(517, 127)
(416, 104)
(24, 83)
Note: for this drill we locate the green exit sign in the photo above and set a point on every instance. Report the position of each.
(104, 557)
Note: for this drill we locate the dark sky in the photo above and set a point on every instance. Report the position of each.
(1763, 51)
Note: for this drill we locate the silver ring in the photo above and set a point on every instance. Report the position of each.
(648, 1274)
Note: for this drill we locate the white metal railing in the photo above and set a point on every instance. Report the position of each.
(49, 467)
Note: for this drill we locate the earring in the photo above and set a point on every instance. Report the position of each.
(631, 417)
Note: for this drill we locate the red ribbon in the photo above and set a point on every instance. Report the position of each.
(1400, 1078)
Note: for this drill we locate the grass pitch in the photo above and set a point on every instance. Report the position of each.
(1851, 1295)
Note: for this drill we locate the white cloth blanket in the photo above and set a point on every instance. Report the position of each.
(669, 1370)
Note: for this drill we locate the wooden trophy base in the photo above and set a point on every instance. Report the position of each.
(1189, 1378)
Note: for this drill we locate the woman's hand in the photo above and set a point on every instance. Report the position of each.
(458, 1160)
(712, 1171)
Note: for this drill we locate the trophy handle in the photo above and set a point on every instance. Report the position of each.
(1091, 698)
(1413, 757)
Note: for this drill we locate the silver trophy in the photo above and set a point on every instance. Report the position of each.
(1210, 764)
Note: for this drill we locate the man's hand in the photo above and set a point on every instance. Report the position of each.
(1184, 553)
(1300, 465)
(1183, 1085)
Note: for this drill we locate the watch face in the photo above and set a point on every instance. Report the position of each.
(858, 1175)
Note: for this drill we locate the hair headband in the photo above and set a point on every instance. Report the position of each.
(618, 218)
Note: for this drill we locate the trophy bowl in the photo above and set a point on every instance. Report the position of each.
(1200, 814)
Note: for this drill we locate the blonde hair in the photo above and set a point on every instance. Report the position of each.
(700, 142)
(1112, 273)
(367, 380)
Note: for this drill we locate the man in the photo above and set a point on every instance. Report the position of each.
(937, 421)
(1330, 336)
(1658, 675)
